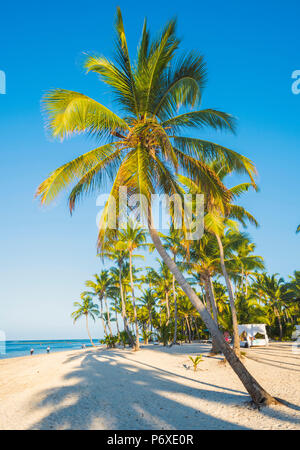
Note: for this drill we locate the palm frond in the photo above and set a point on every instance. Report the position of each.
(123, 59)
(242, 215)
(206, 150)
(207, 117)
(182, 85)
(70, 112)
(79, 167)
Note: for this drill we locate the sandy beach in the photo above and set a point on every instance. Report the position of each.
(155, 388)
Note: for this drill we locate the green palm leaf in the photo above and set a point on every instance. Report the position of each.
(78, 168)
(70, 112)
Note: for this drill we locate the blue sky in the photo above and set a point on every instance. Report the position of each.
(251, 51)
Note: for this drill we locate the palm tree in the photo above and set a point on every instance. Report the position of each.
(241, 262)
(148, 301)
(162, 280)
(272, 292)
(219, 213)
(103, 288)
(110, 251)
(173, 242)
(204, 263)
(117, 310)
(186, 311)
(293, 293)
(145, 148)
(131, 238)
(86, 308)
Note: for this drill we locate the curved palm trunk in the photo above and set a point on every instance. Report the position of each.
(257, 393)
(236, 338)
(101, 315)
(137, 340)
(209, 289)
(88, 331)
(108, 316)
(123, 310)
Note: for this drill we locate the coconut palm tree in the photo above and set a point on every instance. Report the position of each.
(241, 263)
(162, 279)
(219, 213)
(272, 292)
(87, 309)
(130, 239)
(148, 300)
(186, 311)
(117, 309)
(204, 263)
(173, 243)
(118, 274)
(103, 288)
(144, 147)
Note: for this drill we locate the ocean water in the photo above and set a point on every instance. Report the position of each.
(12, 349)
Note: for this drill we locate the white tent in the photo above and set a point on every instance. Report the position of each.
(251, 330)
(296, 333)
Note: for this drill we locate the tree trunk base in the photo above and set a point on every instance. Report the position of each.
(268, 401)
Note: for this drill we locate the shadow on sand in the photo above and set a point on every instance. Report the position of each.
(105, 392)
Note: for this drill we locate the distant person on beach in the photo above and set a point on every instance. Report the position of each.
(48, 349)
(31, 351)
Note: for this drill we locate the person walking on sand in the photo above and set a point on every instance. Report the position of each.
(31, 351)
(48, 349)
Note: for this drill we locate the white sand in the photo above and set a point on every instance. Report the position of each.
(150, 389)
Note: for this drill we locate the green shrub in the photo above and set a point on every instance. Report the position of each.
(110, 341)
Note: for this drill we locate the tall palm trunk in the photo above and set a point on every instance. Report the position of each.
(123, 310)
(246, 284)
(117, 323)
(257, 393)
(137, 340)
(167, 308)
(188, 328)
(108, 315)
(175, 311)
(101, 315)
(279, 323)
(88, 331)
(236, 338)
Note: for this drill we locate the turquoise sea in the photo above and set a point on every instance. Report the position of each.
(12, 349)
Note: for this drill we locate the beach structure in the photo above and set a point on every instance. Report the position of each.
(250, 331)
(296, 333)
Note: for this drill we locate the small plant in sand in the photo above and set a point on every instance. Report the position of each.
(196, 361)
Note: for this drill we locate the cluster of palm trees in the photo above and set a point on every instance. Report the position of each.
(146, 147)
(152, 305)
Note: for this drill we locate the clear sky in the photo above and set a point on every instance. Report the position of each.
(251, 49)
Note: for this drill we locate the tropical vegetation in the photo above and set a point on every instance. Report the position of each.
(199, 288)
